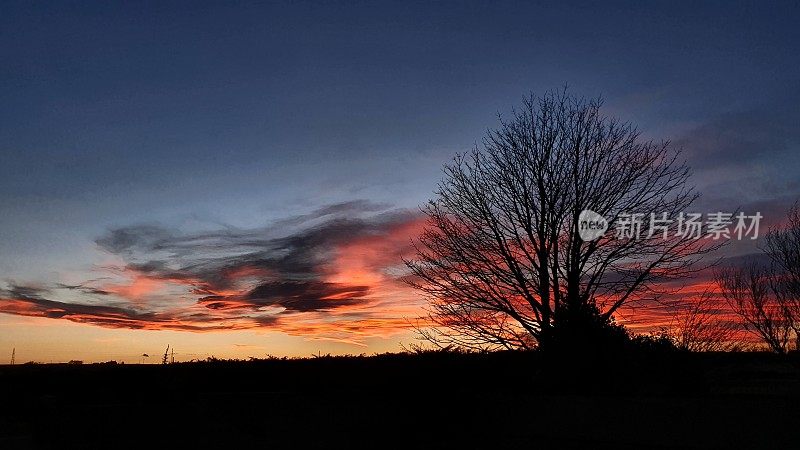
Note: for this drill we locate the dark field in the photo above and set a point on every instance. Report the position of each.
(505, 400)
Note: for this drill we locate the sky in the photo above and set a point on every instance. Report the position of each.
(239, 179)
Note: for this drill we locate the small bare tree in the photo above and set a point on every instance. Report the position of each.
(783, 248)
(697, 327)
(753, 295)
(502, 262)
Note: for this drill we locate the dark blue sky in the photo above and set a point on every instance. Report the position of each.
(206, 115)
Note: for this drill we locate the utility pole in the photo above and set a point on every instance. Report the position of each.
(13, 355)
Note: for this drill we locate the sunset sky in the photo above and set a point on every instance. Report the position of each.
(240, 180)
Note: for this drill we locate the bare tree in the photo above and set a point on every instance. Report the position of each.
(502, 262)
(697, 327)
(754, 296)
(783, 248)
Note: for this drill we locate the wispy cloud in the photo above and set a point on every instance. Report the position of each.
(27, 301)
(320, 274)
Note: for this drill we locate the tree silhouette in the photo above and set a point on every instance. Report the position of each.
(783, 248)
(697, 327)
(754, 296)
(767, 297)
(501, 260)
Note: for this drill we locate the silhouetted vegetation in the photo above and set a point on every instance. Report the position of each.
(753, 295)
(697, 326)
(429, 398)
(502, 261)
(766, 297)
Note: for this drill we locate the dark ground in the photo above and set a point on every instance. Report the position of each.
(745, 400)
